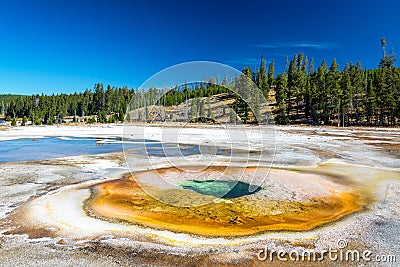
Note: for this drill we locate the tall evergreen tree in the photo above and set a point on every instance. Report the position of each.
(281, 96)
(271, 73)
(262, 78)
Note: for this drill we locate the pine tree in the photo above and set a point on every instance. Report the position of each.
(232, 116)
(334, 92)
(202, 111)
(193, 110)
(370, 101)
(322, 94)
(291, 85)
(209, 111)
(271, 73)
(244, 88)
(281, 96)
(300, 81)
(388, 83)
(262, 78)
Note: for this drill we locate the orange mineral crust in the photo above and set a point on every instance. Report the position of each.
(125, 201)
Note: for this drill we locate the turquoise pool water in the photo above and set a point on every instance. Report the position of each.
(222, 189)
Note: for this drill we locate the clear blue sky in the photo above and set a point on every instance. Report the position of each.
(65, 46)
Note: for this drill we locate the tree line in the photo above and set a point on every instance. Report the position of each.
(108, 105)
(353, 96)
(303, 93)
(100, 105)
(326, 95)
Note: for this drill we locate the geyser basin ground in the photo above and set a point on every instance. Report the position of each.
(285, 200)
(44, 221)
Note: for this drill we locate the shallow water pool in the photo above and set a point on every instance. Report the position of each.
(58, 147)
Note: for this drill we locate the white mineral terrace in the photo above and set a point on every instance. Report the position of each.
(43, 215)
